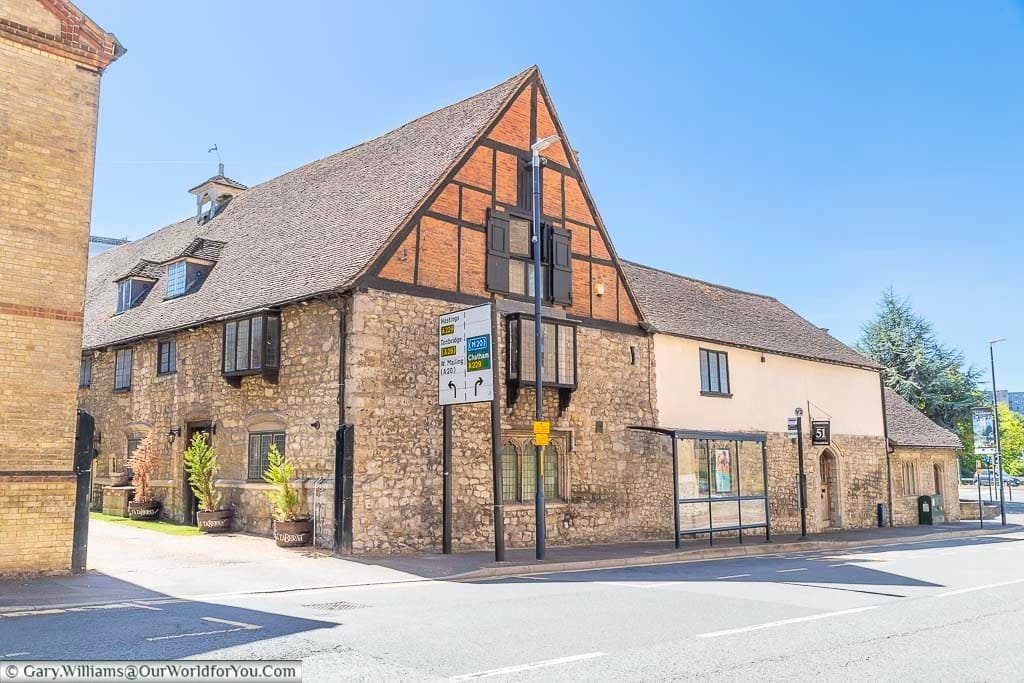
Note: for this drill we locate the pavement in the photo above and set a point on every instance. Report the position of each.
(894, 608)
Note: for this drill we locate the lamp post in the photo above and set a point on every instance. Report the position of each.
(801, 477)
(538, 338)
(995, 416)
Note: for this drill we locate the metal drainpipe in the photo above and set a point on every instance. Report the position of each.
(885, 444)
(340, 541)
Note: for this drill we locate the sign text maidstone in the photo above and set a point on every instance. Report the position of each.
(465, 354)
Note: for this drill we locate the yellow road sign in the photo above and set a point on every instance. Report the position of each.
(542, 439)
(541, 427)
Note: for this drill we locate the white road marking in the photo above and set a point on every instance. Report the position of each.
(734, 576)
(785, 622)
(786, 571)
(527, 667)
(31, 613)
(979, 588)
(14, 654)
(841, 564)
(239, 626)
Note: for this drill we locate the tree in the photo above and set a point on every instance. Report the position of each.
(201, 463)
(930, 375)
(1011, 440)
(144, 463)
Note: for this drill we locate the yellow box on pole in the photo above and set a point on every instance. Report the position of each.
(541, 427)
(541, 439)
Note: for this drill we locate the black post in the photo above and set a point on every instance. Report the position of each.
(446, 466)
(499, 489)
(84, 432)
(538, 352)
(802, 478)
(675, 487)
(981, 507)
(999, 452)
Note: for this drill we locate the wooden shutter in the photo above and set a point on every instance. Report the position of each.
(561, 266)
(497, 252)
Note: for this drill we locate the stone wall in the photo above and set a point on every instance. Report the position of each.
(306, 392)
(904, 498)
(616, 485)
(48, 110)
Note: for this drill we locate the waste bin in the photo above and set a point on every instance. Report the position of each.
(924, 510)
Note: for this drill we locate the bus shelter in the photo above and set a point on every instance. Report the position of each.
(719, 482)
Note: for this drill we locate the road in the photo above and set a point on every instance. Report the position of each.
(946, 610)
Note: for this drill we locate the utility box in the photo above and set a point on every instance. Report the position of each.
(925, 510)
(938, 509)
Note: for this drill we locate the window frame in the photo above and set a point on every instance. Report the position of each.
(85, 371)
(909, 471)
(514, 331)
(169, 278)
(704, 363)
(136, 288)
(547, 244)
(273, 437)
(522, 448)
(172, 364)
(118, 354)
(269, 345)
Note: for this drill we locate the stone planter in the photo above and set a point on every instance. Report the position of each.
(216, 522)
(293, 534)
(144, 510)
(120, 479)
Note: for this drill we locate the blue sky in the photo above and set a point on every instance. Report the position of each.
(817, 152)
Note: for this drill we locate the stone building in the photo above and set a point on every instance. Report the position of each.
(51, 60)
(733, 362)
(924, 461)
(304, 311)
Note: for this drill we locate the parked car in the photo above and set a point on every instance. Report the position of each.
(988, 477)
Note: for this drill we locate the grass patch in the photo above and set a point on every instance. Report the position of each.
(160, 526)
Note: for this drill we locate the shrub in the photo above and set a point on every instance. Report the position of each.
(284, 497)
(143, 463)
(201, 463)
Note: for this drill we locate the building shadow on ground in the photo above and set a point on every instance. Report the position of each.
(54, 618)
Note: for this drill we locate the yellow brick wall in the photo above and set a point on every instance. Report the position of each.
(47, 147)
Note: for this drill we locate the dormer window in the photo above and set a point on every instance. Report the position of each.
(175, 279)
(131, 292)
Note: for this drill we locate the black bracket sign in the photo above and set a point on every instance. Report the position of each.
(821, 432)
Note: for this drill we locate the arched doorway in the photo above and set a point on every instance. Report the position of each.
(829, 490)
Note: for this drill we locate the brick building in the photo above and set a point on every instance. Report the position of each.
(51, 60)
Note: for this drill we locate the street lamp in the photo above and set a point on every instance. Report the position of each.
(995, 417)
(538, 338)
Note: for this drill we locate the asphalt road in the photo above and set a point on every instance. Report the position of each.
(945, 610)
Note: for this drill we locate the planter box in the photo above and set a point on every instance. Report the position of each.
(115, 500)
(216, 522)
(148, 510)
(293, 534)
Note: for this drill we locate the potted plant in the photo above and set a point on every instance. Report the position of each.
(143, 463)
(201, 463)
(292, 526)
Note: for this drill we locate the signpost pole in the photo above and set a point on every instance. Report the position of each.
(499, 489)
(981, 508)
(446, 466)
(538, 353)
(800, 469)
(995, 417)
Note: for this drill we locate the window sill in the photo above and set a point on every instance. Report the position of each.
(715, 394)
(166, 374)
(125, 390)
(548, 505)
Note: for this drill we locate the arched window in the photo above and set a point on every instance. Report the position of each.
(518, 468)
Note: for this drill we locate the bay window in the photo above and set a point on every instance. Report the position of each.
(251, 345)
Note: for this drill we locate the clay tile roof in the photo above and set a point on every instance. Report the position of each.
(908, 426)
(304, 233)
(147, 269)
(673, 304)
(222, 180)
(204, 249)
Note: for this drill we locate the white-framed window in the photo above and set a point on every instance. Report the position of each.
(130, 293)
(176, 279)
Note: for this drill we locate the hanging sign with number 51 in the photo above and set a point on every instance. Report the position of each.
(821, 432)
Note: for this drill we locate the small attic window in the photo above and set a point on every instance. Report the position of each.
(131, 292)
(175, 279)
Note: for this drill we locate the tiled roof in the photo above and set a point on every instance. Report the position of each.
(307, 232)
(673, 304)
(908, 426)
(221, 179)
(147, 269)
(204, 249)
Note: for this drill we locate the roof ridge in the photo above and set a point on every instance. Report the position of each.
(703, 282)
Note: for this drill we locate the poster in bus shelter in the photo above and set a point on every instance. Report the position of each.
(984, 431)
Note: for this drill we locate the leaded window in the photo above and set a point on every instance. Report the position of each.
(123, 369)
(85, 371)
(510, 265)
(175, 279)
(559, 357)
(131, 292)
(251, 345)
(166, 357)
(259, 448)
(519, 469)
